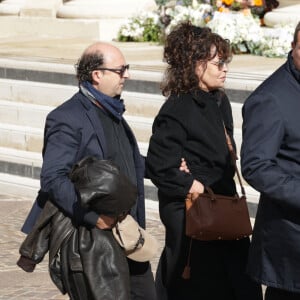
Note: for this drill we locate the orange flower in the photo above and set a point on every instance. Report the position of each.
(227, 2)
(258, 2)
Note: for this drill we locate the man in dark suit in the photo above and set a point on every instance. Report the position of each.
(270, 158)
(91, 123)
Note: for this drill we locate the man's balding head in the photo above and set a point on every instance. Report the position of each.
(95, 56)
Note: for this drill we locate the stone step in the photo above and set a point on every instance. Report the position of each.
(23, 114)
(19, 185)
(21, 137)
(28, 163)
(22, 146)
(28, 187)
(22, 123)
(30, 138)
(143, 78)
(51, 95)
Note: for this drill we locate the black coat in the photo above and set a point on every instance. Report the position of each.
(271, 164)
(191, 126)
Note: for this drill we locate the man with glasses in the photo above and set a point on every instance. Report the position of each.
(91, 123)
(271, 164)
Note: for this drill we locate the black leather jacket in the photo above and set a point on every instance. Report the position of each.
(93, 253)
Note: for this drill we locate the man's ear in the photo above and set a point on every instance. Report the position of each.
(96, 75)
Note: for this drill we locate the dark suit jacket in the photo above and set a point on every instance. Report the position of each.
(73, 131)
(271, 164)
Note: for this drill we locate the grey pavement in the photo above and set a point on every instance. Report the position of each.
(16, 284)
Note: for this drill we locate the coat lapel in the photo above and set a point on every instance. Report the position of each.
(96, 123)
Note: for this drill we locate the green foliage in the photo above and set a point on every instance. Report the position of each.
(186, 2)
(161, 2)
(141, 28)
(152, 31)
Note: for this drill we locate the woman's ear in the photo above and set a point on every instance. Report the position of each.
(199, 69)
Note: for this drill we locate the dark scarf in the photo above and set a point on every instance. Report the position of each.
(295, 72)
(115, 106)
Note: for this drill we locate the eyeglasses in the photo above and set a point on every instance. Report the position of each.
(119, 71)
(220, 64)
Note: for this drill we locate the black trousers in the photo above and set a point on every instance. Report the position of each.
(217, 273)
(278, 294)
(141, 281)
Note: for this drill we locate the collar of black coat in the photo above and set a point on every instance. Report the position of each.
(294, 71)
(200, 95)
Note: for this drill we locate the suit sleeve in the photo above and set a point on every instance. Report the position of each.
(62, 141)
(263, 137)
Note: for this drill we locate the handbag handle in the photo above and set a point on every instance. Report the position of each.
(212, 194)
(234, 159)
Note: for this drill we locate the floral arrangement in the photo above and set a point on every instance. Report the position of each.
(145, 27)
(276, 42)
(198, 14)
(241, 27)
(247, 36)
(236, 5)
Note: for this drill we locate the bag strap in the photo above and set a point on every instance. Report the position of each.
(234, 159)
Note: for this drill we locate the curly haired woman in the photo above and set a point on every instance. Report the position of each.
(190, 126)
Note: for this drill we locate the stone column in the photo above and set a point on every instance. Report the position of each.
(284, 3)
(40, 8)
(94, 9)
(288, 12)
(110, 14)
(11, 7)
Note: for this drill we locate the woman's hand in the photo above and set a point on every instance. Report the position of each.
(183, 166)
(197, 187)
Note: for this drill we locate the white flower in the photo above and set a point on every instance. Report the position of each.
(196, 14)
(276, 42)
(235, 27)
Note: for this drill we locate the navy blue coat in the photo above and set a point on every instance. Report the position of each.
(270, 158)
(73, 131)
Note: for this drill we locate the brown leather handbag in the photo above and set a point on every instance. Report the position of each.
(211, 216)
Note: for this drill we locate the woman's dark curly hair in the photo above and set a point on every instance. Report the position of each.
(88, 62)
(184, 47)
